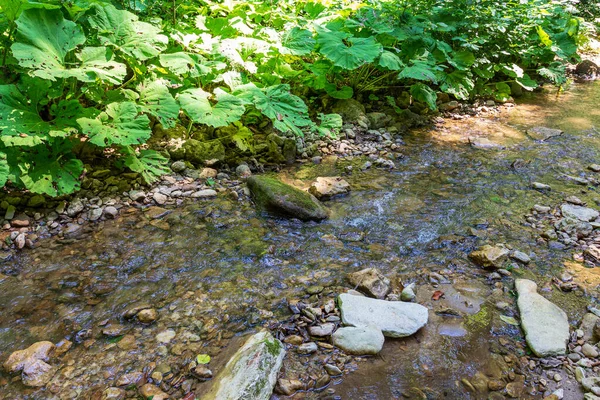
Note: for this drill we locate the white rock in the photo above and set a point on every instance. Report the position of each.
(252, 372)
(546, 326)
(203, 194)
(393, 318)
(581, 213)
(359, 340)
(166, 336)
(327, 187)
(159, 198)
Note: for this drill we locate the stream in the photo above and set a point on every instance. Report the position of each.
(216, 269)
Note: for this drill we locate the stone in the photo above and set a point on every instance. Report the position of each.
(198, 152)
(408, 293)
(378, 120)
(332, 370)
(484, 144)
(36, 201)
(580, 213)
(204, 194)
(20, 221)
(362, 340)
(589, 351)
(307, 348)
(589, 383)
(351, 110)
(111, 212)
(127, 342)
(166, 336)
(137, 195)
(37, 373)
(131, 378)
(594, 167)
(274, 196)
(490, 256)
(178, 166)
(321, 330)
(370, 281)
(393, 318)
(208, 173)
(114, 330)
(243, 171)
(95, 214)
(328, 187)
(289, 386)
(546, 326)
(252, 371)
(74, 208)
(20, 241)
(113, 393)
(147, 316)
(542, 133)
(540, 186)
(10, 212)
(159, 198)
(202, 372)
(520, 256)
(587, 69)
(150, 391)
(19, 359)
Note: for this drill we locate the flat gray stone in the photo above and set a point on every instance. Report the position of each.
(546, 326)
(363, 340)
(252, 371)
(580, 213)
(542, 133)
(393, 318)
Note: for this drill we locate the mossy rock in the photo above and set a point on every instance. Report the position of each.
(274, 196)
(198, 152)
(351, 110)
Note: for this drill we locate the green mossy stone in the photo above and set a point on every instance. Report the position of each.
(275, 196)
(198, 152)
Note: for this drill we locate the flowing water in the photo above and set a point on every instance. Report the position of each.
(216, 269)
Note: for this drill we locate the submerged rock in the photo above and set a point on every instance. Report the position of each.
(19, 359)
(393, 318)
(580, 213)
(370, 281)
(363, 340)
(490, 256)
(252, 371)
(37, 373)
(542, 133)
(545, 324)
(328, 187)
(275, 196)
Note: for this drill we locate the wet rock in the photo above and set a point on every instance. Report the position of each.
(332, 370)
(72, 230)
(580, 213)
(20, 221)
(37, 373)
(204, 194)
(589, 351)
(272, 195)
(490, 256)
(127, 342)
(370, 281)
(252, 372)
(542, 133)
(166, 336)
(202, 372)
(95, 214)
(588, 323)
(75, 207)
(328, 187)
(520, 256)
(20, 240)
(378, 120)
(19, 359)
(113, 393)
(321, 330)
(114, 330)
(137, 195)
(592, 253)
(363, 340)
(484, 144)
(393, 318)
(594, 167)
(131, 378)
(307, 348)
(350, 110)
(147, 316)
(590, 383)
(159, 198)
(546, 326)
(150, 391)
(111, 212)
(289, 386)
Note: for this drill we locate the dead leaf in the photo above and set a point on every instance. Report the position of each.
(437, 295)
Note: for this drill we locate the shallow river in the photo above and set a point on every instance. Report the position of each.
(216, 269)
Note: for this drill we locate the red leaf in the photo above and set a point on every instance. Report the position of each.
(437, 294)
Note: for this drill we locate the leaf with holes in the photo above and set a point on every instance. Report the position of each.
(243, 139)
(122, 30)
(345, 50)
(196, 104)
(156, 100)
(120, 124)
(51, 170)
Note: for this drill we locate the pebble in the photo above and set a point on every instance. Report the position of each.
(147, 316)
(307, 348)
(111, 212)
(589, 351)
(321, 330)
(166, 336)
(540, 186)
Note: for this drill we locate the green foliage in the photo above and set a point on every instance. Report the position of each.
(101, 73)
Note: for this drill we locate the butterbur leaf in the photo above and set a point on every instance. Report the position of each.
(13, 8)
(420, 70)
(148, 163)
(424, 94)
(299, 41)
(122, 30)
(462, 59)
(287, 111)
(330, 124)
(344, 93)
(4, 169)
(458, 83)
(156, 100)
(390, 61)
(345, 50)
(202, 358)
(526, 82)
(120, 124)
(502, 91)
(185, 64)
(51, 170)
(196, 104)
(242, 139)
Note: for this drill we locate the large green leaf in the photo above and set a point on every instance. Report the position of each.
(298, 41)
(330, 124)
(120, 124)
(123, 30)
(45, 41)
(196, 104)
(424, 94)
(421, 71)
(50, 170)
(182, 63)
(148, 163)
(13, 8)
(4, 169)
(156, 100)
(390, 61)
(345, 50)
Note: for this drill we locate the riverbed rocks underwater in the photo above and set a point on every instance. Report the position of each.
(457, 259)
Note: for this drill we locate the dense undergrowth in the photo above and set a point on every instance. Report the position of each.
(89, 74)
